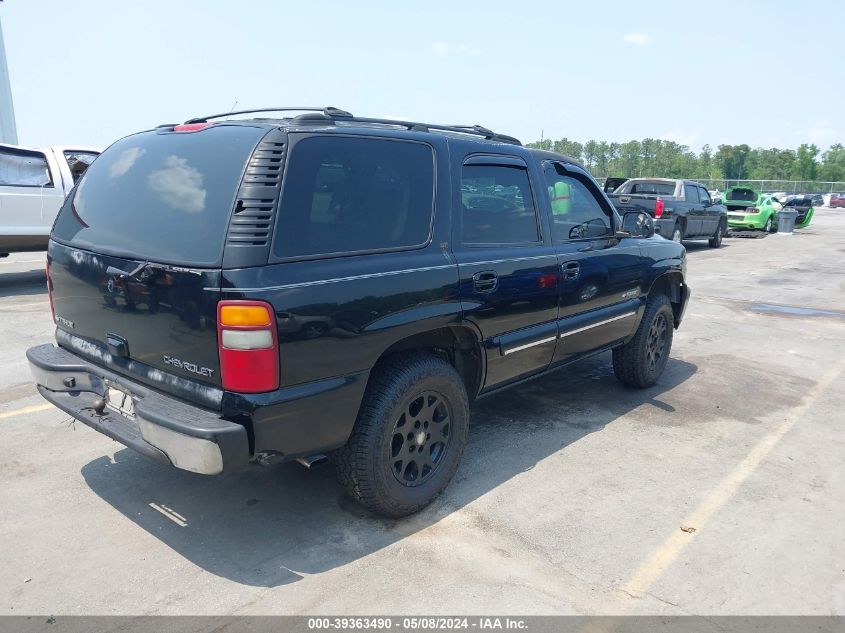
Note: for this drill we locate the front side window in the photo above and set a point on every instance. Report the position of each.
(78, 162)
(703, 195)
(576, 213)
(497, 205)
(691, 194)
(19, 168)
(347, 195)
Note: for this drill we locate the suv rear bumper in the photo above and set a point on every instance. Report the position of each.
(163, 428)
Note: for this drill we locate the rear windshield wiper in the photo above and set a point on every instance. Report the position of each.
(146, 269)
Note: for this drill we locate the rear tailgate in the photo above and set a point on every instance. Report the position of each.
(155, 326)
(633, 202)
(136, 256)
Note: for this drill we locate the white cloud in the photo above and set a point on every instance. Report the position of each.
(445, 49)
(637, 39)
(125, 161)
(821, 134)
(179, 185)
(690, 138)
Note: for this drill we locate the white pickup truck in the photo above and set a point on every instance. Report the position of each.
(33, 185)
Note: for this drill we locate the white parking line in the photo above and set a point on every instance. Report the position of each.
(668, 552)
(33, 409)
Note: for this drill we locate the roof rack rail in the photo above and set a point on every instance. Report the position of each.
(476, 130)
(332, 114)
(328, 111)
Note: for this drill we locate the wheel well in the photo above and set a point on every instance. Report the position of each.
(670, 284)
(457, 345)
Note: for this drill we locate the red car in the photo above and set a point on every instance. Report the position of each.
(837, 200)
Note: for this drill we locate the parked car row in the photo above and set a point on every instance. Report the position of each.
(682, 209)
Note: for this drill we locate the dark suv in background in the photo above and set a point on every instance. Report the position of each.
(323, 284)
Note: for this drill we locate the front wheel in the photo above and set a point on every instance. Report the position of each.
(716, 240)
(409, 436)
(641, 361)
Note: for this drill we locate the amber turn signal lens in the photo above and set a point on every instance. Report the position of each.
(244, 316)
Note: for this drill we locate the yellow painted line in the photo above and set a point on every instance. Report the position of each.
(33, 409)
(667, 553)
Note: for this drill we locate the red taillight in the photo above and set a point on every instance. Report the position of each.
(50, 290)
(191, 127)
(658, 208)
(248, 346)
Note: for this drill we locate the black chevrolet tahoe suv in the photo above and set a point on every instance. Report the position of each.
(321, 285)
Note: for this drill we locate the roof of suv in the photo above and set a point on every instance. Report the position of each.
(313, 119)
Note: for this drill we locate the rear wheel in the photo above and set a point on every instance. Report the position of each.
(716, 240)
(409, 436)
(768, 226)
(641, 361)
(678, 232)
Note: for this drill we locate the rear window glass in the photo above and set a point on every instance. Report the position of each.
(346, 195)
(163, 197)
(743, 195)
(653, 188)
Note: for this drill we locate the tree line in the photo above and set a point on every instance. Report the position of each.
(656, 157)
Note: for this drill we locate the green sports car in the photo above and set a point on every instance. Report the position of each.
(750, 209)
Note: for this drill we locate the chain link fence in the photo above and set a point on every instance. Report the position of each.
(787, 186)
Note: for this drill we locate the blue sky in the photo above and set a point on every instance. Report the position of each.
(89, 72)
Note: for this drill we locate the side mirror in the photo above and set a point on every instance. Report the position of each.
(717, 201)
(638, 224)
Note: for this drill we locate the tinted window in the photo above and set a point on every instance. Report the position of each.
(691, 194)
(24, 169)
(742, 195)
(78, 162)
(576, 213)
(163, 197)
(703, 195)
(497, 205)
(344, 195)
(653, 188)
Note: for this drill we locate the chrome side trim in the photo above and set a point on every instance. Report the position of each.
(320, 282)
(532, 344)
(592, 325)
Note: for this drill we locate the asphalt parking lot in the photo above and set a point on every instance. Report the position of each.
(719, 491)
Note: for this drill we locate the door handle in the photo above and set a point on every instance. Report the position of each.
(485, 281)
(570, 270)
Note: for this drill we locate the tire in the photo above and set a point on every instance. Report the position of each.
(635, 363)
(716, 240)
(382, 468)
(767, 228)
(313, 330)
(678, 232)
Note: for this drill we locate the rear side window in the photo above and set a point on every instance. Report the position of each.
(19, 168)
(158, 196)
(347, 195)
(497, 205)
